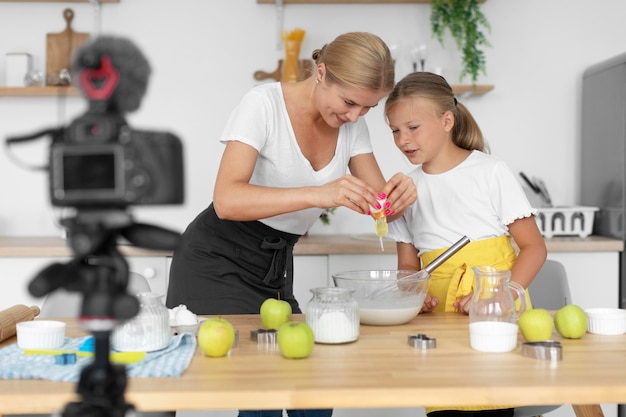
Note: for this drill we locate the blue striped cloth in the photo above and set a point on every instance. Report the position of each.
(169, 362)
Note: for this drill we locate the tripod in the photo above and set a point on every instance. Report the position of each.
(100, 273)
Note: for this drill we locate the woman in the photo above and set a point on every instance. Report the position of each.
(288, 148)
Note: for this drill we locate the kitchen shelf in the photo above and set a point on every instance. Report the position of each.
(57, 1)
(341, 1)
(47, 91)
(465, 91)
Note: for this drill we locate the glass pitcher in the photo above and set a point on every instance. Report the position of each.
(493, 314)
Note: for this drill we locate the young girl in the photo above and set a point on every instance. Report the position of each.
(461, 190)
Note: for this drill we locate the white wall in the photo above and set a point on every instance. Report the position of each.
(204, 53)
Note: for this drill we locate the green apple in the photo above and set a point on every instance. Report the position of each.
(571, 322)
(295, 340)
(216, 337)
(536, 325)
(274, 313)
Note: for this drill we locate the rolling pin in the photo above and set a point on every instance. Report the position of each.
(13, 315)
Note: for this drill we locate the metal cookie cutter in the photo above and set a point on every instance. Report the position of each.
(422, 341)
(548, 350)
(264, 336)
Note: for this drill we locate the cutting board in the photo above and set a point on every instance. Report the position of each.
(60, 49)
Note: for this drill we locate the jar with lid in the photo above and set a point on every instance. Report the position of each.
(148, 331)
(333, 315)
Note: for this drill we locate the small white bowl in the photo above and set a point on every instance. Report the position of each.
(609, 321)
(40, 334)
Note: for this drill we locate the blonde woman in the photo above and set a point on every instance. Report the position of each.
(288, 148)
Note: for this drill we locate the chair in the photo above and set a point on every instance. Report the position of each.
(549, 290)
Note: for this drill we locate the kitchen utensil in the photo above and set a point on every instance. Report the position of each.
(394, 296)
(608, 321)
(148, 331)
(40, 334)
(427, 270)
(493, 314)
(122, 358)
(13, 315)
(60, 48)
(538, 187)
(333, 315)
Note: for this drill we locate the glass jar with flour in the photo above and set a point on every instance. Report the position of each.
(333, 314)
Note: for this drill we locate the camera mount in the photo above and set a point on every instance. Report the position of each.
(100, 272)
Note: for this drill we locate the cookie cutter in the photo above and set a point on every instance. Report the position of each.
(548, 350)
(264, 336)
(421, 341)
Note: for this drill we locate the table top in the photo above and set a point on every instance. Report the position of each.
(380, 369)
(338, 244)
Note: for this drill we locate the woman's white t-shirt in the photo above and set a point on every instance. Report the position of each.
(479, 198)
(261, 121)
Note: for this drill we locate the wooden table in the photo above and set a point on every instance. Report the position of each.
(379, 370)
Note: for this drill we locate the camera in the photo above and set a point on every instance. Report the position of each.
(98, 160)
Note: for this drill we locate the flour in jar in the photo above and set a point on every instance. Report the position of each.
(334, 327)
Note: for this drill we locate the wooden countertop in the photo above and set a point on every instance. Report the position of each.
(380, 369)
(46, 246)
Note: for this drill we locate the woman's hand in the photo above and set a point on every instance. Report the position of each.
(347, 191)
(401, 193)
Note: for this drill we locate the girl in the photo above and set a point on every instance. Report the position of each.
(461, 191)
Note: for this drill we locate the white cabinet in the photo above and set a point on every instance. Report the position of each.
(154, 268)
(309, 271)
(16, 274)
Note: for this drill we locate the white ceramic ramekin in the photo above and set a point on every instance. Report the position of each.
(610, 321)
(40, 334)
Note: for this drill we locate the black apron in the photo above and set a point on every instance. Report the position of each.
(231, 267)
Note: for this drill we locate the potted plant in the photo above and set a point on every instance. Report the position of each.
(466, 23)
(325, 216)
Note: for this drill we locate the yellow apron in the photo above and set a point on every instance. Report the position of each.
(454, 279)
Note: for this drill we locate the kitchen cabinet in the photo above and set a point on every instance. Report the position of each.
(15, 275)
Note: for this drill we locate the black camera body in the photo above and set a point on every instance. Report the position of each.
(98, 160)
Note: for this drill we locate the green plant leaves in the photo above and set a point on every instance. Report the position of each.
(465, 21)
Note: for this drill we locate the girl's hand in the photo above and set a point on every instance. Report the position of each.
(464, 303)
(429, 304)
(400, 192)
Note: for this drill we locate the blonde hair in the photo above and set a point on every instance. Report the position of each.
(465, 134)
(358, 60)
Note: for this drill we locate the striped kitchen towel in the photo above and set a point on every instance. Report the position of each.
(169, 362)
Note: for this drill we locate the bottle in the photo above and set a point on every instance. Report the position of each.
(333, 315)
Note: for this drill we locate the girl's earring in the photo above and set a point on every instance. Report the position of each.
(317, 81)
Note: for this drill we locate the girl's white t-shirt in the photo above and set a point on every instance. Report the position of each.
(478, 198)
(261, 121)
